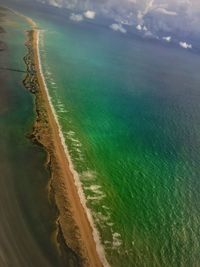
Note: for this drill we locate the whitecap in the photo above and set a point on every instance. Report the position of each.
(100, 197)
(110, 224)
(70, 133)
(117, 242)
(88, 175)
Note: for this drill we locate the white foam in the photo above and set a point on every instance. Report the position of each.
(102, 218)
(70, 133)
(88, 175)
(95, 232)
(78, 150)
(93, 187)
(98, 198)
(105, 207)
(61, 108)
(117, 242)
(78, 145)
(110, 224)
(98, 194)
(60, 105)
(116, 235)
(62, 111)
(75, 140)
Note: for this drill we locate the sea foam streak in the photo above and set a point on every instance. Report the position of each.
(96, 236)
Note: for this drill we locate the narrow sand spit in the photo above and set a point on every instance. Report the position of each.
(74, 222)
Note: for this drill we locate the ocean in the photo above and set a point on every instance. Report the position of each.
(129, 110)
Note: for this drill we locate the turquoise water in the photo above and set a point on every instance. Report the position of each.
(130, 112)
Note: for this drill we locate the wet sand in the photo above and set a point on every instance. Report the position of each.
(72, 223)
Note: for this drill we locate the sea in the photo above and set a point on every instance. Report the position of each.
(129, 111)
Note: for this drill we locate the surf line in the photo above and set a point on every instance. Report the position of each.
(89, 234)
(95, 233)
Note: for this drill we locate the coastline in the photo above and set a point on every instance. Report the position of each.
(74, 222)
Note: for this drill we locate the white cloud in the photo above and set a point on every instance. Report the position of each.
(167, 38)
(76, 17)
(149, 6)
(185, 45)
(89, 14)
(149, 34)
(170, 16)
(165, 11)
(118, 27)
(139, 27)
(145, 29)
(55, 3)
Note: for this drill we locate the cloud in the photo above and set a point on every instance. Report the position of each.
(55, 3)
(150, 35)
(139, 27)
(166, 12)
(76, 17)
(145, 28)
(89, 14)
(185, 45)
(118, 27)
(171, 17)
(167, 38)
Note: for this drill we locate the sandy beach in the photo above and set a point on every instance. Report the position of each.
(72, 223)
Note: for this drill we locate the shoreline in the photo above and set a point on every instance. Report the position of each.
(75, 222)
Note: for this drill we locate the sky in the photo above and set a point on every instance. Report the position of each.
(161, 19)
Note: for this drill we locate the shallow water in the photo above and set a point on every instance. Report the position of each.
(27, 218)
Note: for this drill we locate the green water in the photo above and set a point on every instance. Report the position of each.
(130, 112)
